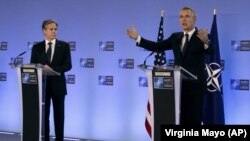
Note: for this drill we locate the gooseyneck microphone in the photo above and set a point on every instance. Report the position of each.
(14, 61)
(144, 66)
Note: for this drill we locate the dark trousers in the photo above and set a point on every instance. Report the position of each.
(191, 103)
(58, 108)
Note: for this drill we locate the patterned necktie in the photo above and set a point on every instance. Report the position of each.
(49, 52)
(185, 44)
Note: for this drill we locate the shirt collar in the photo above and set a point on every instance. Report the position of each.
(52, 41)
(190, 33)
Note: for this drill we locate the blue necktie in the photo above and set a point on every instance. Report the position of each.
(49, 52)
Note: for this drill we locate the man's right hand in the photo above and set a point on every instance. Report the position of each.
(132, 33)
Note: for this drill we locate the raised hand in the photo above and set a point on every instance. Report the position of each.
(132, 33)
(203, 35)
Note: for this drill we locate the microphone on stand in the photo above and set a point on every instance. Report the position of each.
(144, 66)
(14, 63)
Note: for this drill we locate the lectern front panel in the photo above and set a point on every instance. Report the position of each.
(164, 100)
(30, 104)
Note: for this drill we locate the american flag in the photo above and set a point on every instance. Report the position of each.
(160, 60)
(160, 57)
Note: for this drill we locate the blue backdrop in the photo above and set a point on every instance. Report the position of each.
(105, 97)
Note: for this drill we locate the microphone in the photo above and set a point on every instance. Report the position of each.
(144, 66)
(15, 59)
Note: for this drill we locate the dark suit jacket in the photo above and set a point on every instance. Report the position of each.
(193, 58)
(61, 62)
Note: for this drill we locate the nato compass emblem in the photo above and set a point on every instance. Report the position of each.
(213, 79)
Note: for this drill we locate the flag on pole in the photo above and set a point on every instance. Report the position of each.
(160, 60)
(213, 100)
(160, 57)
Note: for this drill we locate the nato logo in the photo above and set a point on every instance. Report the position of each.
(214, 77)
(106, 46)
(235, 45)
(25, 78)
(143, 82)
(87, 62)
(126, 63)
(72, 45)
(243, 45)
(158, 82)
(3, 76)
(70, 79)
(163, 83)
(238, 84)
(105, 80)
(4, 46)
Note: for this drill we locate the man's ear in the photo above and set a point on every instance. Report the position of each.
(43, 31)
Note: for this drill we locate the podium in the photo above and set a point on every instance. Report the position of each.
(32, 83)
(164, 87)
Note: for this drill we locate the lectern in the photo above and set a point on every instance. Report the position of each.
(32, 82)
(164, 87)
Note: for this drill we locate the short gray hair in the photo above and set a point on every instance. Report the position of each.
(192, 11)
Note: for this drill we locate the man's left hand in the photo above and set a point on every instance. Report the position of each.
(203, 35)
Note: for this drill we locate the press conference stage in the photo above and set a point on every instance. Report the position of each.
(11, 136)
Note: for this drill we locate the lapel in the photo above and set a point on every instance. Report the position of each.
(179, 40)
(42, 51)
(43, 47)
(55, 51)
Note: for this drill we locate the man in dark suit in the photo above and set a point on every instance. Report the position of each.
(190, 57)
(55, 54)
